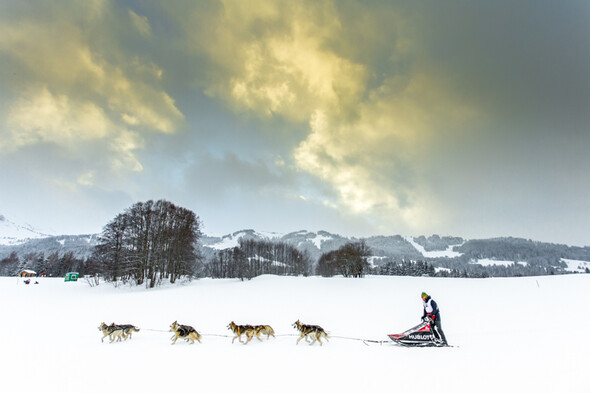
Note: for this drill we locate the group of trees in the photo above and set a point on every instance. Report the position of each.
(508, 248)
(254, 257)
(54, 265)
(149, 242)
(470, 270)
(474, 270)
(407, 268)
(349, 260)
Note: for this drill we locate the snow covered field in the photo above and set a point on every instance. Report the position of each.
(511, 335)
(575, 265)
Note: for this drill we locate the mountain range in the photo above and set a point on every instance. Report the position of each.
(444, 252)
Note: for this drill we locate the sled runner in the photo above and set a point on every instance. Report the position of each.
(419, 336)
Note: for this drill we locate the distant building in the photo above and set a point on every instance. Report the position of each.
(71, 276)
(27, 273)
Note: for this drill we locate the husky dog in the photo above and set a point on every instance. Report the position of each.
(248, 330)
(113, 331)
(184, 331)
(128, 330)
(117, 334)
(264, 329)
(314, 332)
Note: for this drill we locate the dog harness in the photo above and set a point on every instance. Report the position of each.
(184, 330)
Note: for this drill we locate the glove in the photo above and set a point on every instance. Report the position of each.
(432, 317)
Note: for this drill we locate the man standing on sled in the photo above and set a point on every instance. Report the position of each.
(431, 310)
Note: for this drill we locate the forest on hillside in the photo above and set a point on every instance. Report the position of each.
(154, 241)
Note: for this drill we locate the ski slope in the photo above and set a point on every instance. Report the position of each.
(510, 335)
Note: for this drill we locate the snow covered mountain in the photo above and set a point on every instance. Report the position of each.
(498, 256)
(233, 239)
(317, 243)
(12, 233)
(477, 256)
(80, 245)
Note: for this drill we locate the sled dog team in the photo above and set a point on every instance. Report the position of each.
(190, 334)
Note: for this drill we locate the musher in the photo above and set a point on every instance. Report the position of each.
(431, 310)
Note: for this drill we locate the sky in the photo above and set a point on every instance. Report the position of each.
(463, 118)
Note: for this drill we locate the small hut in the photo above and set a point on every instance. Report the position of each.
(71, 276)
(27, 273)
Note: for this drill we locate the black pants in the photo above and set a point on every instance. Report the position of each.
(437, 330)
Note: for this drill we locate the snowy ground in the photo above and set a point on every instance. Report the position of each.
(448, 253)
(575, 265)
(511, 335)
(495, 262)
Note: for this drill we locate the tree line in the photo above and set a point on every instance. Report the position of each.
(517, 249)
(253, 258)
(407, 268)
(52, 265)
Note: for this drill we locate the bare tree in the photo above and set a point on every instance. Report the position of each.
(350, 260)
(149, 242)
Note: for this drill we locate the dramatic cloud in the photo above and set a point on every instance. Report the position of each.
(73, 93)
(365, 130)
(357, 117)
(272, 58)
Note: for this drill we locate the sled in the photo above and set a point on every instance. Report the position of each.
(419, 336)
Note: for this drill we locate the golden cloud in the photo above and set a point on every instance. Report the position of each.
(43, 117)
(367, 159)
(141, 23)
(296, 61)
(77, 91)
(276, 61)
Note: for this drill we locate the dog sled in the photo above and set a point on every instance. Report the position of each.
(420, 335)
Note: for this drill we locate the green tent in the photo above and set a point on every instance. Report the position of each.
(72, 276)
